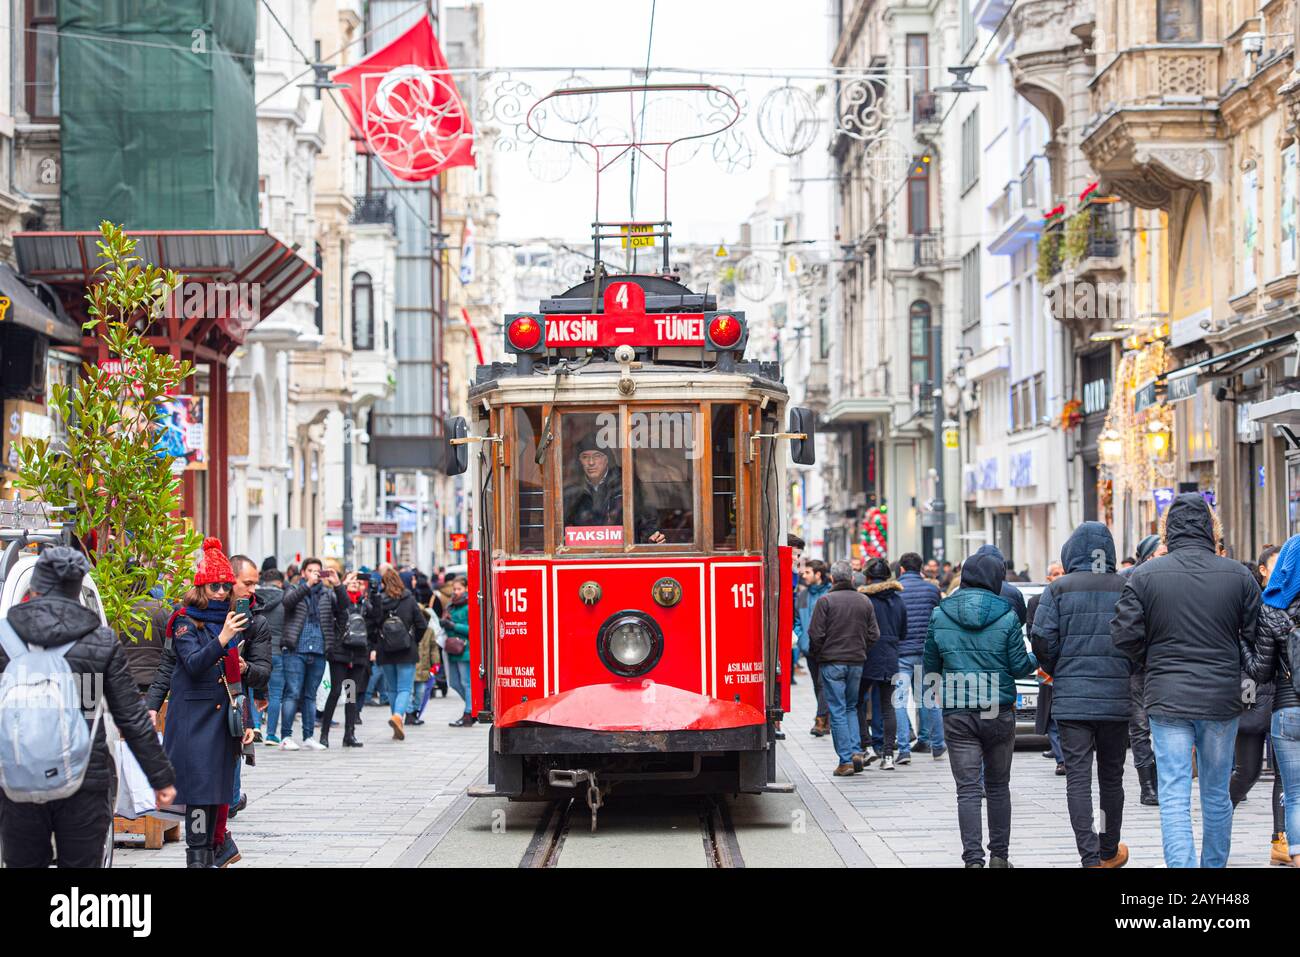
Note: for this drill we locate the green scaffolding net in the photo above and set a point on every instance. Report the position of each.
(158, 123)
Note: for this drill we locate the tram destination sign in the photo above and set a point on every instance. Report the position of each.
(670, 329)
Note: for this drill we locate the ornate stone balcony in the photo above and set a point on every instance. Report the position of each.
(1156, 126)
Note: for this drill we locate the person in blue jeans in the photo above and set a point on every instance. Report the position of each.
(455, 621)
(1191, 617)
(841, 632)
(920, 596)
(316, 603)
(399, 622)
(815, 584)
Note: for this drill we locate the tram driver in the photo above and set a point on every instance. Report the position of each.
(597, 497)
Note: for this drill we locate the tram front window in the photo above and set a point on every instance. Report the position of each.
(531, 503)
(665, 447)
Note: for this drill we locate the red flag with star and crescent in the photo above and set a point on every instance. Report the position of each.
(411, 114)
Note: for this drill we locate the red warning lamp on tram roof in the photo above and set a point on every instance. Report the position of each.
(725, 331)
(524, 334)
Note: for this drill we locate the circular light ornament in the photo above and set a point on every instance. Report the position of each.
(724, 331)
(666, 592)
(629, 643)
(525, 333)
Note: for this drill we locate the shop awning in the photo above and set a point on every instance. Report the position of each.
(25, 308)
(1182, 383)
(243, 259)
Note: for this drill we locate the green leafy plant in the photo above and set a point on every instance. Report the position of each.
(1049, 255)
(1075, 244)
(125, 497)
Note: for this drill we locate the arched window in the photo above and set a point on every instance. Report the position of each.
(363, 312)
(922, 347)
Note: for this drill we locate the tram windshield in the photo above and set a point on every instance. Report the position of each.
(626, 475)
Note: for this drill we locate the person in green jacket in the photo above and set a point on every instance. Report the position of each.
(456, 622)
(974, 652)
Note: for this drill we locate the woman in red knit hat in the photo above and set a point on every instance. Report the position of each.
(206, 635)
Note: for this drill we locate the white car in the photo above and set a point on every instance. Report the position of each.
(1027, 689)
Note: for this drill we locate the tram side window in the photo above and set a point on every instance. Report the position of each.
(528, 477)
(591, 453)
(724, 476)
(664, 453)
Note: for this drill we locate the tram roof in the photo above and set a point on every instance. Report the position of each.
(500, 383)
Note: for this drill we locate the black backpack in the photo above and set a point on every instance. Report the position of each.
(394, 637)
(355, 637)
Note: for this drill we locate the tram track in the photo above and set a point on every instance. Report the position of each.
(717, 833)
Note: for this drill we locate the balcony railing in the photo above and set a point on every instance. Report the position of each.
(373, 208)
(1103, 240)
(920, 251)
(925, 108)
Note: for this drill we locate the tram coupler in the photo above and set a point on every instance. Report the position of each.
(571, 778)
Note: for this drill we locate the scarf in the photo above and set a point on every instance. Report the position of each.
(1284, 583)
(213, 619)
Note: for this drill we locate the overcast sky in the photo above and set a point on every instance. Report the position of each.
(705, 202)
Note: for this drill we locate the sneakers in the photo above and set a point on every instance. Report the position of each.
(289, 744)
(905, 758)
(845, 771)
(1120, 858)
(923, 747)
(1000, 862)
(938, 752)
(887, 763)
(870, 757)
(311, 744)
(271, 740)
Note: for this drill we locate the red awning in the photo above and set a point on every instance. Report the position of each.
(251, 260)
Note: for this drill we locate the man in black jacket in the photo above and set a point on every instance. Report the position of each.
(842, 630)
(1090, 686)
(313, 609)
(80, 824)
(1139, 727)
(922, 597)
(1184, 617)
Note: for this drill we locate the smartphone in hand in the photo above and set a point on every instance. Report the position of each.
(242, 607)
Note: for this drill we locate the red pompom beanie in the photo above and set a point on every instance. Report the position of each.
(213, 566)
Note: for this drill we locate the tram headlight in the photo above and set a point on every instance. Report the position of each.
(629, 643)
(525, 334)
(725, 331)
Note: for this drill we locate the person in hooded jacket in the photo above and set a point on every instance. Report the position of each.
(921, 597)
(875, 698)
(1139, 727)
(455, 621)
(314, 609)
(1190, 617)
(975, 647)
(816, 583)
(395, 607)
(1009, 591)
(79, 824)
(1254, 729)
(1090, 687)
(841, 633)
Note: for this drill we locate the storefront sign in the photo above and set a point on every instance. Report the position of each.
(1144, 397)
(459, 541)
(379, 529)
(1022, 472)
(983, 476)
(1162, 497)
(1181, 387)
(1192, 301)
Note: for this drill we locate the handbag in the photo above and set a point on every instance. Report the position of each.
(235, 716)
(455, 645)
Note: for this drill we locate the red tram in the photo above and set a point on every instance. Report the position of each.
(630, 612)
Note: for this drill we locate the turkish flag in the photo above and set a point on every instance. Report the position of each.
(412, 116)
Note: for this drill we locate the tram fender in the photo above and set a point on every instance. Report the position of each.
(633, 706)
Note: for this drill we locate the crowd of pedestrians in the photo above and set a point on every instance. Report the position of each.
(240, 661)
(1179, 654)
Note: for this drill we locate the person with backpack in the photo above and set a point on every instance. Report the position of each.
(204, 732)
(1278, 659)
(455, 621)
(313, 610)
(349, 654)
(399, 623)
(57, 776)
